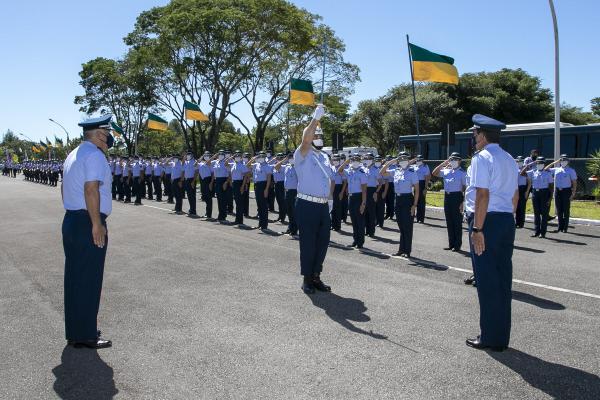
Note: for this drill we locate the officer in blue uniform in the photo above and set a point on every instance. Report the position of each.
(279, 179)
(221, 172)
(127, 179)
(313, 203)
(381, 193)
(291, 191)
(390, 201)
(86, 194)
(206, 182)
(167, 181)
(177, 179)
(469, 213)
(373, 186)
(424, 174)
(522, 204)
(344, 200)
(137, 171)
(565, 186)
(158, 174)
(454, 187)
(261, 175)
(357, 181)
(149, 178)
(239, 175)
(338, 179)
(539, 183)
(495, 180)
(190, 173)
(246, 194)
(112, 165)
(406, 187)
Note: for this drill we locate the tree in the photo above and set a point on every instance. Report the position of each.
(596, 106)
(576, 115)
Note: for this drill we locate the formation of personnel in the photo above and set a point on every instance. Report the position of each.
(48, 172)
(10, 168)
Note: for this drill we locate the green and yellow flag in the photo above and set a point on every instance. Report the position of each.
(432, 67)
(301, 92)
(58, 142)
(192, 112)
(35, 149)
(43, 145)
(117, 130)
(157, 123)
(48, 142)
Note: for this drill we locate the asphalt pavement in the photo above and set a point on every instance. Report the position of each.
(202, 310)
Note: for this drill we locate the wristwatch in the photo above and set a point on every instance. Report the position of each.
(475, 230)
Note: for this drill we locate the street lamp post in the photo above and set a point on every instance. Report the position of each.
(63, 128)
(556, 86)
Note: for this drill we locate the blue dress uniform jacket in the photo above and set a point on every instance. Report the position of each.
(494, 169)
(563, 182)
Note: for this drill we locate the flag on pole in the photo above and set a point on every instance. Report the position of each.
(192, 112)
(43, 145)
(58, 142)
(48, 142)
(118, 131)
(431, 67)
(301, 92)
(157, 123)
(15, 158)
(35, 149)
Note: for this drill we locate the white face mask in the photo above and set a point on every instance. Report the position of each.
(540, 167)
(368, 162)
(188, 157)
(238, 159)
(378, 164)
(221, 157)
(419, 163)
(269, 155)
(260, 160)
(403, 164)
(245, 159)
(336, 163)
(454, 164)
(564, 163)
(206, 158)
(318, 142)
(355, 164)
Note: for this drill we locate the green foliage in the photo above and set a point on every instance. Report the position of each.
(595, 103)
(233, 141)
(157, 143)
(576, 115)
(593, 165)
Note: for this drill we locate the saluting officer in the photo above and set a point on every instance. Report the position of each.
(424, 174)
(206, 182)
(494, 178)
(279, 179)
(539, 182)
(190, 173)
(381, 193)
(357, 181)
(168, 162)
(469, 213)
(137, 171)
(313, 204)
(344, 199)
(86, 194)
(177, 179)
(127, 179)
(291, 191)
(239, 175)
(246, 194)
(390, 200)
(221, 172)
(454, 186)
(406, 187)
(261, 175)
(522, 204)
(148, 177)
(338, 180)
(565, 186)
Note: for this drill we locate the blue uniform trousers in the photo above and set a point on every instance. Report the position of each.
(157, 188)
(420, 214)
(190, 189)
(127, 189)
(262, 203)
(470, 219)
(138, 185)
(404, 220)
(336, 211)
(280, 197)
(358, 219)
(290, 200)
(229, 198)
(246, 202)
(221, 198)
(452, 202)
(370, 212)
(207, 196)
(117, 187)
(177, 193)
(84, 270)
(345, 203)
(540, 199)
(521, 207)
(493, 274)
(314, 224)
(149, 181)
(239, 206)
(380, 209)
(390, 201)
(168, 188)
(562, 198)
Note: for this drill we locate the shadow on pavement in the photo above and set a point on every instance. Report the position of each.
(536, 301)
(82, 374)
(419, 262)
(522, 248)
(583, 235)
(556, 380)
(566, 241)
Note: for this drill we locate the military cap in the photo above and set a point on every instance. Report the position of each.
(342, 156)
(368, 155)
(487, 123)
(519, 158)
(455, 156)
(378, 158)
(336, 156)
(279, 155)
(564, 157)
(540, 160)
(246, 154)
(355, 157)
(95, 123)
(419, 157)
(262, 153)
(403, 155)
(189, 152)
(221, 151)
(207, 153)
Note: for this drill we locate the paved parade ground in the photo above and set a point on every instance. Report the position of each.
(197, 309)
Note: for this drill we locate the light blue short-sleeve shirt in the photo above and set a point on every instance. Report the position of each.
(176, 169)
(563, 177)
(189, 168)
(314, 173)
(470, 193)
(356, 178)
(422, 171)
(238, 170)
(373, 176)
(204, 169)
(220, 169)
(494, 169)
(454, 179)
(404, 179)
(86, 163)
(260, 172)
(540, 179)
(290, 178)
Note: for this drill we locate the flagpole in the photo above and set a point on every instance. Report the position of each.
(412, 80)
(324, 63)
(287, 142)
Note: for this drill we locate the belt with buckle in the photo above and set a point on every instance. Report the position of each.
(314, 199)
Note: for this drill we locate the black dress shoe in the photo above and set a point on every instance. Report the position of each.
(399, 254)
(456, 249)
(359, 246)
(447, 248)
(353, 244)
(91, 344)
(308, 287)
(476, 344)
(542, 236)
(319, 285)
(535, 235)
(470, 280)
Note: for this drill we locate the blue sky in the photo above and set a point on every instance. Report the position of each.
(43, 44)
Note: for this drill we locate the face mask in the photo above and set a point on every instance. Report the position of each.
(454, 164)
(336, 163)
(188, 157)
(403, 164)
(260, 160)
(110, 140)
(227, 155)
(221, 157)
(564, 163)
(118, 159)
(269, 155)
(520, 164)
(540, 167)
(245, 159)
(238, 159)
(318, 143)
(135, 160)
(206, 158)
(419, 163)
(368, 162)
(378, 164)
(355, 164)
